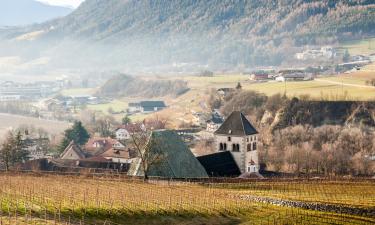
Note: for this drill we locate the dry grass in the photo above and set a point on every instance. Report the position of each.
(8, 121)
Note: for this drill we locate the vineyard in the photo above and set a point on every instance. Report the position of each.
(57, 199)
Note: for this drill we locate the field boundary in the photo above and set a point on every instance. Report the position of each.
(322, 207)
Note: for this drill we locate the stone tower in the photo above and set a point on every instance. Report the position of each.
(239, 136)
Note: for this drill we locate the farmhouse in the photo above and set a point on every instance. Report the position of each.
(106, 148)
(238, 136)
(259, 75)
(146, 106)
(174, 158)
(293, 75)
(73, 151)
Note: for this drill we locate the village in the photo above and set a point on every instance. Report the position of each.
(235, 140)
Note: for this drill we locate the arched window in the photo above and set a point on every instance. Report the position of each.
(221, 147)
(225, 146)
(254, 146)
(235, 147)
(248, 147)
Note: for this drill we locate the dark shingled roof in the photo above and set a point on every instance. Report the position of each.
(159, 104)
(221, 164)
(176, 161)
(236, 124)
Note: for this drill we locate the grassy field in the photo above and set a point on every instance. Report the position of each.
(360, 47)
(8, 121)
(53, 199)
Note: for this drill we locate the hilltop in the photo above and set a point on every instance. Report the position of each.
(220, 34)
(25, 12)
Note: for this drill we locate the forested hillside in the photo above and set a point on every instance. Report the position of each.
(215, 32)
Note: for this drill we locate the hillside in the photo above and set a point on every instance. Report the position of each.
(128, 86)
(25, 12)
(218, 33)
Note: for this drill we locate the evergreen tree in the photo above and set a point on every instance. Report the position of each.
(77, 133)
(126, 120)
(12, 151)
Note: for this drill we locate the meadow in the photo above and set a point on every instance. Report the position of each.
(62, 199)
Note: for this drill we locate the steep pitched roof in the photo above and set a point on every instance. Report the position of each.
(236, 124)
(221, 164)
(176, 159)
(74, 147)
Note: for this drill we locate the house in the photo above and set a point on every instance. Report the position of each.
(293, 75)
(146, 106)
(118, 155)
(99, 145)
(134, 107)
(152, 106)
(122, 133)
(215, 122)
(175, 160)
(239, 136)
(259, 76)
(73, 152)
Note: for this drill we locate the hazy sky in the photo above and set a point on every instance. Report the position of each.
(70, 3)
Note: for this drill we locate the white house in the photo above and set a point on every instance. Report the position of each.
(122, 133)
(238, 136)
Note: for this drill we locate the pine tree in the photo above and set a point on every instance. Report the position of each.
(126, 120)
(77, 133)
(12, 151)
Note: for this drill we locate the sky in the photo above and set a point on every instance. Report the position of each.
(70, 3)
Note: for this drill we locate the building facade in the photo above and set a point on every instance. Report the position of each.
(238, 136)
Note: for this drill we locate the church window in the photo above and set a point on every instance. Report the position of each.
(254, 146)
(221, 147)
(229, 139)
(248, 147)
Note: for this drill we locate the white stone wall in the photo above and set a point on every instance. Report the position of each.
(243, 157)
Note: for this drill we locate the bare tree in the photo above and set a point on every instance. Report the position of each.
(148, 148)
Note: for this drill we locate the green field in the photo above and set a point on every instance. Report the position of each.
(360, 47)
(52, 199)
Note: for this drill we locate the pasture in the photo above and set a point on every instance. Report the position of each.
(62, 199)
(360, 47)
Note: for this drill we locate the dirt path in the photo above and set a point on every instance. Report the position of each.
(345, 84)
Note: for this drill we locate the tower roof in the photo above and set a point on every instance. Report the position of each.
(236, 124)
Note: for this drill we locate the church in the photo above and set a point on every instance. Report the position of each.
(238, 136)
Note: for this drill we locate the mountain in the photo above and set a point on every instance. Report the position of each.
(24, 12)
(138, 34)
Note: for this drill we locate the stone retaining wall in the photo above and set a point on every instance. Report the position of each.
(366, 212)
